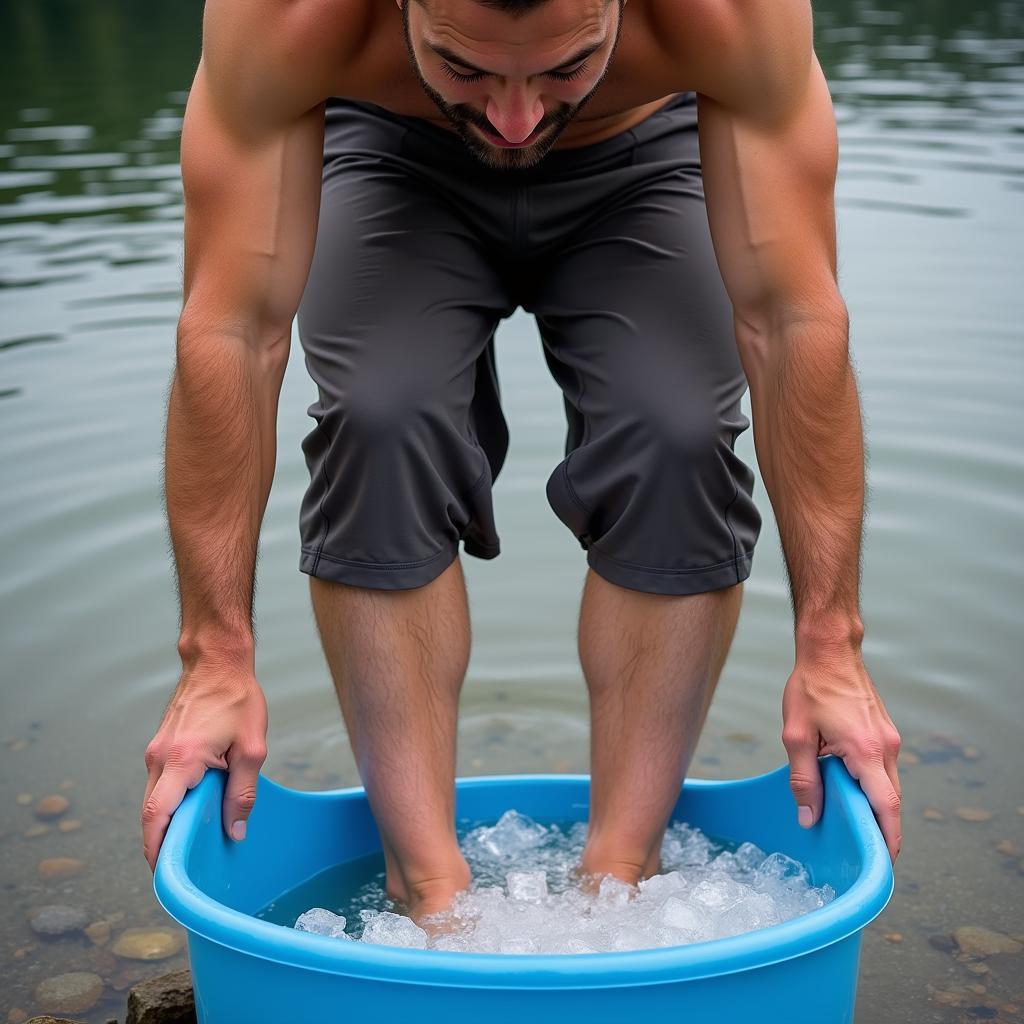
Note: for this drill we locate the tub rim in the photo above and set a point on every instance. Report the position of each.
(847, 914)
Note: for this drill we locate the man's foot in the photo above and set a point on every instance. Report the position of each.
(430, 897)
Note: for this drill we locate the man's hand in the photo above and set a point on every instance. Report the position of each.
(831, 706)
(217, 718)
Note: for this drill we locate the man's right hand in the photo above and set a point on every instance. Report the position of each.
(217, 718)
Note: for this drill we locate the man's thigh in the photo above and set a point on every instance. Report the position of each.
(397, 323)
(638, 332)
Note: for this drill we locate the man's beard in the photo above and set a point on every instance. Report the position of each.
(462, 117)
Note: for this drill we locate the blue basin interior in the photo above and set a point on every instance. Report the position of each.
(213, 886)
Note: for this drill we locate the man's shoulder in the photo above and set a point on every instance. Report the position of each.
(275, 59)
(748, 55)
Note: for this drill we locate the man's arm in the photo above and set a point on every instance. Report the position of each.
(252, 150)
(769, 153)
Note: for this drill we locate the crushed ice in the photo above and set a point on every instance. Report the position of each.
(525, 899)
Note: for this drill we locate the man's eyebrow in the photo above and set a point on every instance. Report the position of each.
(454, 58)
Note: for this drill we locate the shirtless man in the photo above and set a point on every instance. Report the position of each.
(481, 155)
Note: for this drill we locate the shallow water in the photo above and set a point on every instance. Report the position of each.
(930, 100)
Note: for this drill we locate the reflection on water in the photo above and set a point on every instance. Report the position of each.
(930, 102)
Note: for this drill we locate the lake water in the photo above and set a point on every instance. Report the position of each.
(930, 102)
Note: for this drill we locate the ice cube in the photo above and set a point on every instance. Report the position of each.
(778, 870)
(387, 929)
(614, 892)
(320, 921)
(513, 833)
(678, 914)
(527, 885)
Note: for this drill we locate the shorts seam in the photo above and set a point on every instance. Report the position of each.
(384, 566)
(326, 529)
(569, 487)
(734, 561)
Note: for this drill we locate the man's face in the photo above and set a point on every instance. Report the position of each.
(509, 86)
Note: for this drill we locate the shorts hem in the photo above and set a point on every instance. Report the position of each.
(388, 575)
(377, 575)
(670, 581)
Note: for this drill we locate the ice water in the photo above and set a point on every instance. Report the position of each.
(525, 897)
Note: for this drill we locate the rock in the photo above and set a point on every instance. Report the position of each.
(60, 867)
(982, 942)
(69, 825)
(893, 937)
(57, 919)
(52, 806)
(147, 943)
(943, 943)
(168, 999)
(908, 757)
(36, 830)
(973, 814)
(67, 784)
(16, 1015)
(969, 753)
(18, 744)
(1008, 848)
(98, 932)
(932, 814)
(47, 1019)
(23, 800)
(74, 992)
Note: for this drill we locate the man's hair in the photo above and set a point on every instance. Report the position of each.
(513, 8)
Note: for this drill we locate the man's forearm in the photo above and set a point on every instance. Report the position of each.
(220, 455)
(809, 440)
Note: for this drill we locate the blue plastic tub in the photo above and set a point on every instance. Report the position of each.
(248, 970)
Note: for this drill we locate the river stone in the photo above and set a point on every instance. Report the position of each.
(57, 919)
(975, 941)
(60, 867)
(168, 999)
(69, 825)
(74, 992)
(23, 799)
(36, 830)
(147, 943)
(52, 806)
(974, 814)
(98, 932)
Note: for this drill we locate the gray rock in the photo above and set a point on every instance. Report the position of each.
(168, 999)
(74, 992)
(46, 1019)
(982, 942)
(57, 919)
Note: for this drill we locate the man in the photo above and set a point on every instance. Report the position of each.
(480, 155)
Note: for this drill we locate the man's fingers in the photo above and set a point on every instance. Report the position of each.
(160, 804)
(804, 774)
(240, 795)
(884, 798)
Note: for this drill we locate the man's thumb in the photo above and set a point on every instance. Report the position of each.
(805, 781)
(240, 795)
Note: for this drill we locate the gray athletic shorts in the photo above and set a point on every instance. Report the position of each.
(422, 250)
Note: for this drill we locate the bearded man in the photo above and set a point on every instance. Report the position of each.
(652, 181)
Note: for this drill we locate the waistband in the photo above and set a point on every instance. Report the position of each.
(678, 111)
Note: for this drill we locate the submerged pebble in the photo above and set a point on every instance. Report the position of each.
(36, 830)
(74, 992)
(526, 898)
(932, 814)
(981, 942)
(60, 867)
(147, 943)
(98, 932)
(69, 825)
(52, 806)
(973, 814)
(23, 799)
(57, 919)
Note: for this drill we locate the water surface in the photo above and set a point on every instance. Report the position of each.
(930, 102)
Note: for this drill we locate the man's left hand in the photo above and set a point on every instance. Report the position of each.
(831, 706)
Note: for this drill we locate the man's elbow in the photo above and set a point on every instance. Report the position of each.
(770, 334)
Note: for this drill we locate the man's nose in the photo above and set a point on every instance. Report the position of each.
(515, 112)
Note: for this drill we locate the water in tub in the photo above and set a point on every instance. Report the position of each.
(524, 897)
